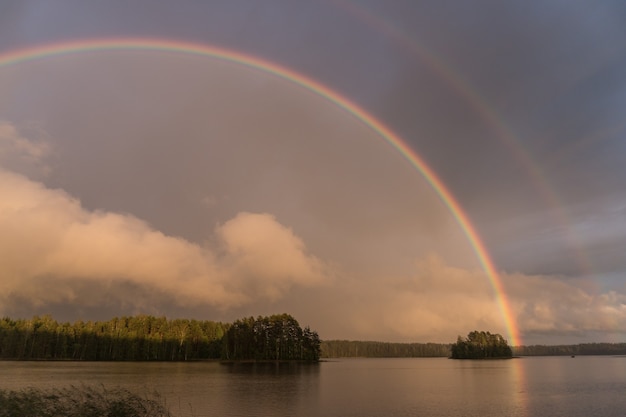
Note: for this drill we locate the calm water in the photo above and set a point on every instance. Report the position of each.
(542, 386)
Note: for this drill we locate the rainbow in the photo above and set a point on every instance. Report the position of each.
(487, 113)
(183, 47)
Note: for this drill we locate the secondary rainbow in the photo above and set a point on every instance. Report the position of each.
(483, 109)
(183, 47)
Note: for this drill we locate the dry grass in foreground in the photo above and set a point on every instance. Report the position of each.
(81, 401)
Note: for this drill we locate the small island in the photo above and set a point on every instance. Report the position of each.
(275, 338)
(481, 345)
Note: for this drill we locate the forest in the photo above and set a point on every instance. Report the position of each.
(140, 338)
(579, 349)
(353, 349)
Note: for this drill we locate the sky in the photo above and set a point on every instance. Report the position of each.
(136, 181)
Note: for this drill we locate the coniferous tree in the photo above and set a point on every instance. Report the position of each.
(481, 345)
(277, 337)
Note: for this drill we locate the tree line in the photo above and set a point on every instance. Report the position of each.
(579, 349)
(353, 349)
(492, 345)
(146, 337)
(277, 337)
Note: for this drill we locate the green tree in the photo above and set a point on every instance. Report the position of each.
(277, 337)
(481, 345)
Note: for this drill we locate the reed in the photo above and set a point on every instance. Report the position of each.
(83, 401)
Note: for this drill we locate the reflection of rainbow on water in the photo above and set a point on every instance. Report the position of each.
(55, 49)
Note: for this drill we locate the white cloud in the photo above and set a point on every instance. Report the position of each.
(555, 306)
(437, 302)
(50, 247)
(262, 253)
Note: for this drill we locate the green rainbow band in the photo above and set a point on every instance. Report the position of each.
(37, 52)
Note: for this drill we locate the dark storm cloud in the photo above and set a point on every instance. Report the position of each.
(551, 74)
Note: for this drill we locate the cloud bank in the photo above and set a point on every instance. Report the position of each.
(438, 302)
(50, 245)
(54, 252)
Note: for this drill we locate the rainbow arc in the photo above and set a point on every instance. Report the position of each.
(307, 83)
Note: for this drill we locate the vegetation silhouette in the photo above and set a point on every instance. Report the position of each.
(481, 345)
(569, 350)
(82, 401)
(276, 338)
(369, 349)
(148, 338)
(273, 338)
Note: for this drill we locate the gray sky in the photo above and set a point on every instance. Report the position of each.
(161, 183)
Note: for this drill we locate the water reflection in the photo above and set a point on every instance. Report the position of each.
(580, 386)
(245, 389)
(519, 401)
(554, 386)
(288, 389)
(491, 387)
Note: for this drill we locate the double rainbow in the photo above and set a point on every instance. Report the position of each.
(163, 45)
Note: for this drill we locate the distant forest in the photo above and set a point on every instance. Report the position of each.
(276, 337)
(355, 349)
(580, 349)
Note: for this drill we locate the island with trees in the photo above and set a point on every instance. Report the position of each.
(274, 338)
(481, 345)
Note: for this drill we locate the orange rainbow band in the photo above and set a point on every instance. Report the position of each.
(151, 44)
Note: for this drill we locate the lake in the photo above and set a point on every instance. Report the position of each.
(529, 386)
